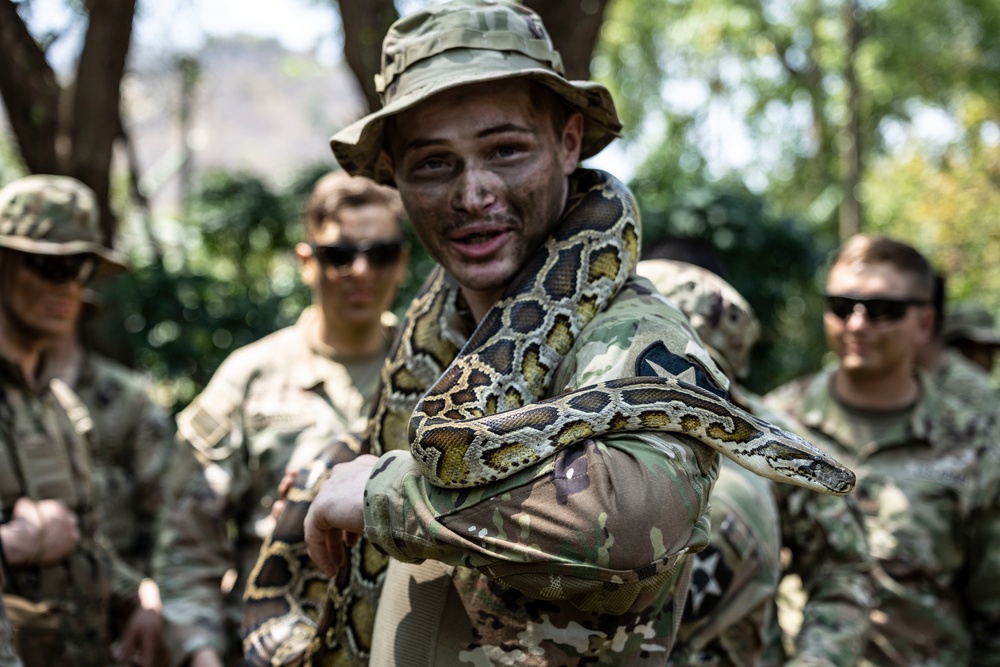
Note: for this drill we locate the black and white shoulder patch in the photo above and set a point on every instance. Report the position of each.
(657, 361)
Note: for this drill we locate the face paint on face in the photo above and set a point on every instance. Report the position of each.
(485, 187)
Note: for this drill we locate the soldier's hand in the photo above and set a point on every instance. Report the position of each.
(142, 640)
(287, 480)
(336, 518)
(40, 532)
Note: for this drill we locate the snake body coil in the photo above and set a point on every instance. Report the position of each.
(473, 416)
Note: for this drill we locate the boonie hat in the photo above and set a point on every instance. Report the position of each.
(970, 321)
(720, 315)
(461, 42)
(54, 215)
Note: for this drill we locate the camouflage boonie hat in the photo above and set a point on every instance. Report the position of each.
(970, 321)
(54, 215)
(723, 319)
(461, 42)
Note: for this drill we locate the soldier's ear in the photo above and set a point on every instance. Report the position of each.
(308, 266)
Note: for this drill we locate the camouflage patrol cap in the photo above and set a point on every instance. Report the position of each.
(723, 319)
(53, 215)
(970, 321)
(457, 43)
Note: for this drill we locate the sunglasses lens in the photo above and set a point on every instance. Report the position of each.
(379, 255)
(59, 269)
(337, 256)
(840, 306)
(876, 310)
(384, 254)
(882, 310)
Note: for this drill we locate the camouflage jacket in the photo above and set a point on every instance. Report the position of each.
(959, 377)
(132, 443)
(45, 454)
(581, 558)
(284, 393)
(734, 580)
(728, 619)
(8, 656)
(928, 488)
(826, 544)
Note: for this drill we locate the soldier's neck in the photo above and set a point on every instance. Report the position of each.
(889, 391)
(24, 352)
(354, 341)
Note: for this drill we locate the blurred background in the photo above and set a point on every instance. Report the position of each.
(769, 128)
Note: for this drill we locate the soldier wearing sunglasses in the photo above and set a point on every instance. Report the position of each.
(275, 404)
(62, 580)
(927, 464)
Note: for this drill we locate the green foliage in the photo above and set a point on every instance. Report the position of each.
(772, 261)
(779, 70)
(232, 280)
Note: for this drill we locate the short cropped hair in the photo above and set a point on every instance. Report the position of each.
(869, 249)
(339, 190)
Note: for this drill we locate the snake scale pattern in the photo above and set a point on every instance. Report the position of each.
(471, 415)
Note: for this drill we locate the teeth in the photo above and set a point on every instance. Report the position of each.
(479, 238)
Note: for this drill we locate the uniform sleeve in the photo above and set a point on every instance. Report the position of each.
(192, 555)
(981, 578)
(151, 445)
(826, 537)
(600, 524)
(193, 550)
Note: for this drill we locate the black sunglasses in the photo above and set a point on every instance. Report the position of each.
(61, 268)
(877, 309)
(379, 254)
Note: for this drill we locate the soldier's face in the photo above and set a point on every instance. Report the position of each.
(356, 291)
(875, 347)
(34, 304)
(482, 171)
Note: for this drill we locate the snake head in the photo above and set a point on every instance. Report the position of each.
(810, 467)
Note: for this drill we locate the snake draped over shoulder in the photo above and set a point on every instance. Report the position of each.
(471, 414)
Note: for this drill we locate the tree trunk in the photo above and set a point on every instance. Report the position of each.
(574, 26)
(850, 206)
(365, 24)
(30, 93)
(96, 100)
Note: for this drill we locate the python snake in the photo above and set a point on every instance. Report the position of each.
(471, 414)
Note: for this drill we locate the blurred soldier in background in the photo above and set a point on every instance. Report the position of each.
(950, 370)
(927, 465)
(64, 584)
(8, 656)
(972, 330)
(290, 392)
(728, 618)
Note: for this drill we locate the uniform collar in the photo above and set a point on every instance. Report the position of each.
(824, 413)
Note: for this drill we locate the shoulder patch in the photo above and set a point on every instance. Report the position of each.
(657, 361)
(710, 580)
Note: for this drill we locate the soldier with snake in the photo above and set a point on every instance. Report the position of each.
(536, 467)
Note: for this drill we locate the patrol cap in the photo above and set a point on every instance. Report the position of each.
(970, 321)
(722, 318)
(54, 215)
(457, 43)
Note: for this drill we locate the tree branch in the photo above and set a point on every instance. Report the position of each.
(30, 92)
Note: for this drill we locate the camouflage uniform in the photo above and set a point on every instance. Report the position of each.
(928, 485)
(133, 441)
(610, 523)
(60, 612)
(284, 393)
(728, 619)
(8, 656)
(44, 456)
(957, 376)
